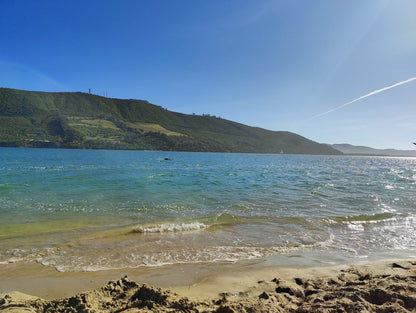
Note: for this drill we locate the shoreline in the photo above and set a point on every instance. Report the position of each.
(261, 289)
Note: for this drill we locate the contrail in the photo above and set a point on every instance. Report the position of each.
(365, 96)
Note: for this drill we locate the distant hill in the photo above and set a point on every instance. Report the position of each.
(86, 121)
(361, 150)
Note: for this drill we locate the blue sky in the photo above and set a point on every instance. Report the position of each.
(273, 64)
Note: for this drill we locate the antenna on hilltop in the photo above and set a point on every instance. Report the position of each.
(89, 91)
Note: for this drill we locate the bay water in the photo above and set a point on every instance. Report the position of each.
(91, 210)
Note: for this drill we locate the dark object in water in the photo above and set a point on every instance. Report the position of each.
(167, 159)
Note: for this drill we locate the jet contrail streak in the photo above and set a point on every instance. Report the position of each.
(365, 96)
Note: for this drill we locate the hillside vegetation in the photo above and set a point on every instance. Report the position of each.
(86, 121)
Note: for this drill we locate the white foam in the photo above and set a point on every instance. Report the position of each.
(170, 227)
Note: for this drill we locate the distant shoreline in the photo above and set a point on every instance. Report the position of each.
(266, 153)
(348, 149)
(167, 151)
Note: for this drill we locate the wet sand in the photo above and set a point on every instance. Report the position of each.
(387, 286)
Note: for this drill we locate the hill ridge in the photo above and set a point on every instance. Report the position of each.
(88, 121)
(364, 150)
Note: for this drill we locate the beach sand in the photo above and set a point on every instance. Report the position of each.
(385, 286)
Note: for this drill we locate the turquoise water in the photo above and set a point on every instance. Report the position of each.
(87, 210)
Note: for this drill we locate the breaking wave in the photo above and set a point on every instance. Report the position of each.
(169, 227)
(187, 225)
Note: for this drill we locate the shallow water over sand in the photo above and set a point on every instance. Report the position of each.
(83, 210)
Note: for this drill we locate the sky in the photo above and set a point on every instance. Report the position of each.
(280, 65)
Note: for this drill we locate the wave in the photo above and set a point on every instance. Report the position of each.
(186, 225)
(12, 186)
(364, 218)
(169, 227)
(93, 259)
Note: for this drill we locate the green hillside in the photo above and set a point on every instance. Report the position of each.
(86, 121)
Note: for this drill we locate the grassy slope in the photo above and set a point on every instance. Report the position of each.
(79, 120)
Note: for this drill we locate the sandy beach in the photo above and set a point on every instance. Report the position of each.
(387, 286)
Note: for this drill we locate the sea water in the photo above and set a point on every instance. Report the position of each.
(90, 210)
